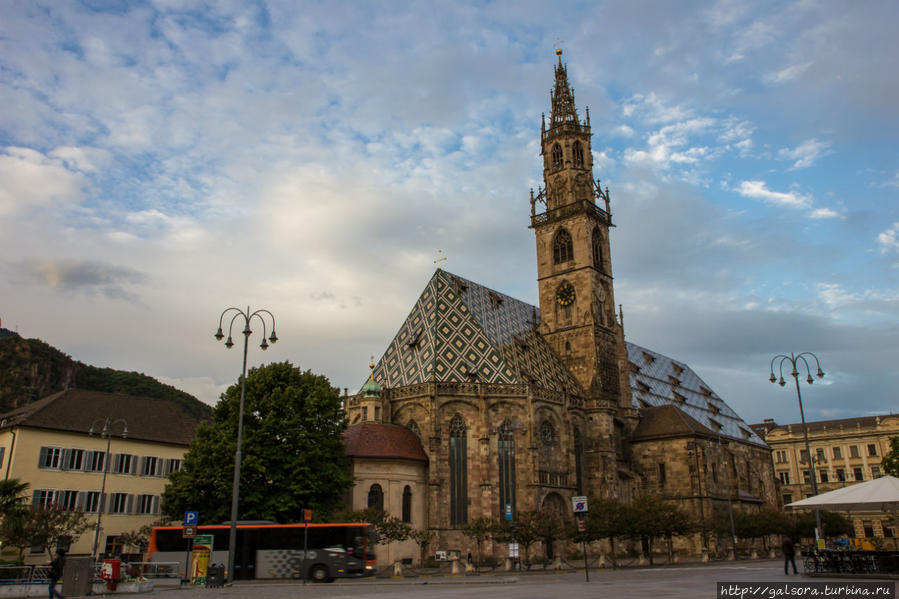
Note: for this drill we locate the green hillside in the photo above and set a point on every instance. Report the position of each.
(31, 369)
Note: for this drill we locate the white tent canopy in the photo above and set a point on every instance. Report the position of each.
(878, 494)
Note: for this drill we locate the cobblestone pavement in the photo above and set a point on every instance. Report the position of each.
(663, 582)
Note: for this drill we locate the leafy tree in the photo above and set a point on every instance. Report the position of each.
(48, 526)
(140, 538)
(422, 538)
(607, 519)
(529, 527)
(15, 530)
(479, 529)
(890, 461)
(293, 452)
(388, 528)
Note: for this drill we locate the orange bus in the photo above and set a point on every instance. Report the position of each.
(270, 550)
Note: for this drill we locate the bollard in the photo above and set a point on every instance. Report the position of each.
(705, 556)
(557, 563)
(771, 554)
(730, 555)
(457, 569)
(398, 569)
(507, 564)
(755, 554)
(602, 560)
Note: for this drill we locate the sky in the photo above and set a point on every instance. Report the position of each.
(162, 161)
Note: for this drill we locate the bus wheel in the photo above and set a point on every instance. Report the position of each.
(319, 573)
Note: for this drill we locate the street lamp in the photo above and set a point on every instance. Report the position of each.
(219, 335)
(105, 433)
(794, 361)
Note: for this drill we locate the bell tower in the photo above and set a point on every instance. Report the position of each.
(574, 269)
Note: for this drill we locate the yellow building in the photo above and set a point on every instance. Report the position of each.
(47, 445)
(844, 452)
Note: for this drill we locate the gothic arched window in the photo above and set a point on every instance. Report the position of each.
(407, 505)
(557, 157)
(577, 154)
(597, 248)
(578, 465)
(376, 497)
(458, 472)
(506, 454)
(563, 247)
(547, 433)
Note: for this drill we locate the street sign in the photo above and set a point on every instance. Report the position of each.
(513, 549)
(191, 518)
(508, 511)
(307, 515)
(581, 525)
(579, 505)
(189, 532)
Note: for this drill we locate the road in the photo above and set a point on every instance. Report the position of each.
(688, 581)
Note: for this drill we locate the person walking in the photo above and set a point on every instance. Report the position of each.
(789, 549)
(56, 568)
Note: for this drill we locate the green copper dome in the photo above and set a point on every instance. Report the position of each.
(371, 388)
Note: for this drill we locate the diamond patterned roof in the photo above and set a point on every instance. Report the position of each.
(457, 327)
(658, 380)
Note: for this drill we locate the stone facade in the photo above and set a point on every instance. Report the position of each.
(520, 407)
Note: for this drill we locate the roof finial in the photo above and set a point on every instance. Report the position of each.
(371, 365)
(441, 257)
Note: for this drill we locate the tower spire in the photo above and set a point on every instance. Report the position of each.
(563, 110)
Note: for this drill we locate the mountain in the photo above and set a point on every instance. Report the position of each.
(31, 369)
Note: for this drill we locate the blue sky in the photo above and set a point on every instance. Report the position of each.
(160, 161)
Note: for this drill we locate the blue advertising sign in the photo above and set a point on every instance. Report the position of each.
(508, 511)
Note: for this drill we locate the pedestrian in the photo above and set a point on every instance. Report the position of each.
(56, 568)
(469, 558)
(789, 549)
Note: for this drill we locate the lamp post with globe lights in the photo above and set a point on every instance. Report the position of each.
(245, 317)
(795, 361)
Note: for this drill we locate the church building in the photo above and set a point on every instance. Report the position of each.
(483, 405)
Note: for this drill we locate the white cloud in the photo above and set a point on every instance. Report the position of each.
(824, 213)
(759, 190)
(30, 179)
(653, 110)
(806, 153)
(623, 131)
(889, 239)
(788, 73)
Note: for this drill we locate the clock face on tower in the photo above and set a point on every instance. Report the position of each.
(565, 294)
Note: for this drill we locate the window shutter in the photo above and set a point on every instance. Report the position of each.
(64, 459)
(117, 463)
(168, 467)
(86, 461)
(156, 504)
(129, 504)
(159, 465)
(2, 454)
(79, 503)
(36, 499)
(43, 457)
(102, 501)
(134, 464)
(143, 464)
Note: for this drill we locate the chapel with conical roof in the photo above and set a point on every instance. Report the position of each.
(519, 407)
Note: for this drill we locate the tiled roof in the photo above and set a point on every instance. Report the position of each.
(458, 326)
(658, 380)
(384, 441)
(76, 410)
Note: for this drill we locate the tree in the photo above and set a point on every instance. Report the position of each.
(422, 538)
(293, 452)
(140, 538)
(890, 461)
(605, 520)
(388, 528)
(479, 529)
(15, 530)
